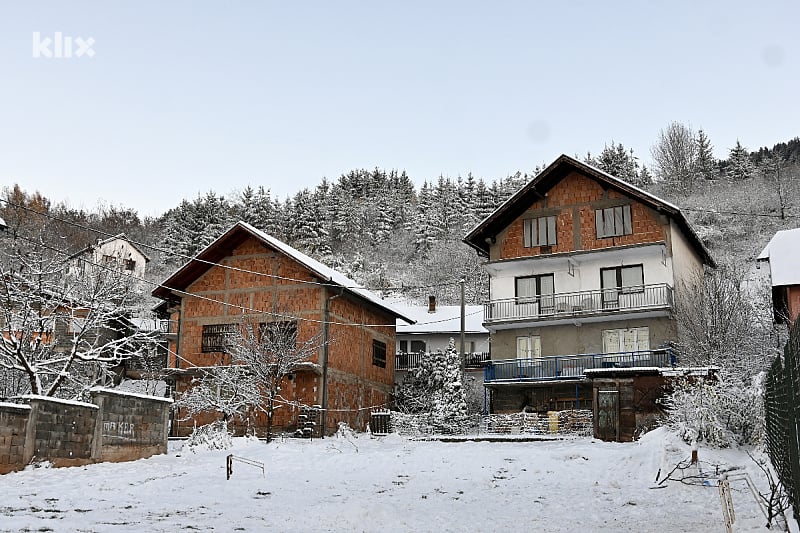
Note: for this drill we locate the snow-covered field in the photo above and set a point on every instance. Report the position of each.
(389, 484)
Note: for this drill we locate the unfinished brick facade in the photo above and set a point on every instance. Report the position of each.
(262, 278)
(574, 202)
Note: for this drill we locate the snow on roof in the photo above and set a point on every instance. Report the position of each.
(446, 319)
(130, 392)
(8, 405)
(783, 254)
(56, 400)
(324, 271)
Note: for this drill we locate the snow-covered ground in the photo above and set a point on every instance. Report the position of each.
(389, 484)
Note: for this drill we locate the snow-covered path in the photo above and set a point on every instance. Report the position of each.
(387, 484)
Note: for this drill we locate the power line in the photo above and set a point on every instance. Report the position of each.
(739, 213)
(212, 263)
(228, 304)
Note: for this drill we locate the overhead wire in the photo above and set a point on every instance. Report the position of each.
(245, 309)
(213, 263)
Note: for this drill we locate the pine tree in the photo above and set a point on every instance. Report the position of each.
(434, 391)
(705, 163)
(619, 162)
(739, 166)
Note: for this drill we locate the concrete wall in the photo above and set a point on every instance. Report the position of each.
(117, 427)
(13, 428)
(586, 339)
(130, 426)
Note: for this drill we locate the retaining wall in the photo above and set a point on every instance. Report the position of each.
(116, 426)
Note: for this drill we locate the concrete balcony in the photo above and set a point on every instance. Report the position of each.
(590, 305)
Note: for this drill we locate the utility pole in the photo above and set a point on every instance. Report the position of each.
(463, 327)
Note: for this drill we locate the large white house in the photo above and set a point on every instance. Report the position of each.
(585, 270)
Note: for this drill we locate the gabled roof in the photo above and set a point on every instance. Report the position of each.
(240, 232)
(783, 254)
(446, 319)
(120, 236)
(552, 175)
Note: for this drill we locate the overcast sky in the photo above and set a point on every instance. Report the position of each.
(185, 97)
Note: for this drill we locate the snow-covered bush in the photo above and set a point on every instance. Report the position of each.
(213, 436)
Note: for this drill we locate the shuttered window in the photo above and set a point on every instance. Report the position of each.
(613, 221)
(539, 231)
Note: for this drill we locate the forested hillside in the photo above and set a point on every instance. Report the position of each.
(402, 240)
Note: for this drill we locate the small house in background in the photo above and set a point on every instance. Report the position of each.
(247, 272)
(435, 326)
(781, 260)
(117, 252)
(584, 273)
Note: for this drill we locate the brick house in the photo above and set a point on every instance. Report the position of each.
(246, 271)
(781, 256)
(585, 270)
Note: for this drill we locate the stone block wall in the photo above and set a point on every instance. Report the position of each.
(130, 426)
(60, 431)
(13, 427)
(118, 426)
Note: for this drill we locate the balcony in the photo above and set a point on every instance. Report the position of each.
(564, 367)
(583, 304)
(407, 361)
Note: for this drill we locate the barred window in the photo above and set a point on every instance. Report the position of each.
(214, 337)
(379, 353)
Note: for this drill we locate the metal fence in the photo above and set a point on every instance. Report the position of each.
(782, 392)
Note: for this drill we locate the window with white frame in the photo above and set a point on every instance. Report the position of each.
(626, 340)
(540, 231)
(613, 221)
(529, 346)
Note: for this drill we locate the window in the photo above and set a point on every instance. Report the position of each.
(214, 337)
(540, 288)
(282, 334)
(626, 340)
(613, 221)
(130, 264)
(539, 231)
(379, 353)
(109, 259)
(417, 347)
(624, 279)
(529, 347)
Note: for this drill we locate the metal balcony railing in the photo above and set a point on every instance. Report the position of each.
(407, 361)
(573, 366)
(579, 304)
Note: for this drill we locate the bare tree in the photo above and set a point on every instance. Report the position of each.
(229, 390)
(674, 155)
(61, 335)
(729, 329)
(271, 351)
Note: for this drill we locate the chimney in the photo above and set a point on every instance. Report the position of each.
(431, 304)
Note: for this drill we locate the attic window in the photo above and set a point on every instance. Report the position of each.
(539, 231)
(613, 221)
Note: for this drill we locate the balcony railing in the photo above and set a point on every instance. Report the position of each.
(579, 304)
(407, 361)
(573, 366)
